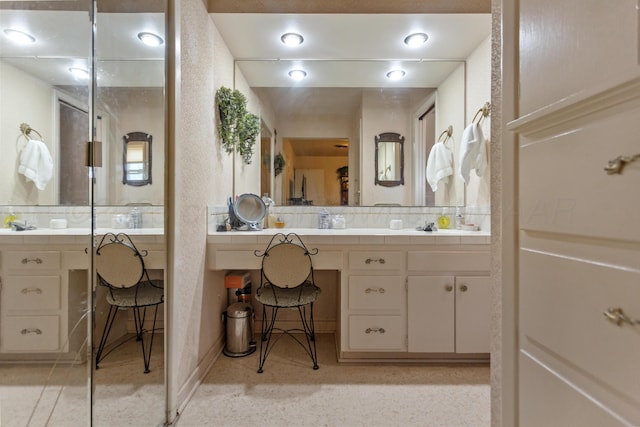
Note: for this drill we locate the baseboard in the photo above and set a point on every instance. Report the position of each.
(195, 379)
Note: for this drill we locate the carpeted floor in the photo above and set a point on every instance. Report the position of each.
(290, 392)
(233, 394)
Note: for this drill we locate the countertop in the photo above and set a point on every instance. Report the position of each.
(356, 236)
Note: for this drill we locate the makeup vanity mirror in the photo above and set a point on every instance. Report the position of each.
(389, 156)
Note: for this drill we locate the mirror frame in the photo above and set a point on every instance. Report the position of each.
(126, 140)
(395, 138)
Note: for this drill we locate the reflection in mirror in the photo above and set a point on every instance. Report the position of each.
(45, 347)
(346, 94)
(136, 158)
(389, 157)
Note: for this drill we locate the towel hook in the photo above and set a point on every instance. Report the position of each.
(26, 131)
(448, 134)
(484, 112)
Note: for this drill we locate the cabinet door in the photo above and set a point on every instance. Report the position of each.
(431, 308)
(473, 316)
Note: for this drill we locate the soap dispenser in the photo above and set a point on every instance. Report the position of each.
(9, 217)
(443, 220)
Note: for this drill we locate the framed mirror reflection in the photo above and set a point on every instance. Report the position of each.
(389, 159)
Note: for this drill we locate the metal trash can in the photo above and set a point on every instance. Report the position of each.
(239, 319)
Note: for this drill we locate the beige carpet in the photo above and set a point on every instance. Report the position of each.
(288, 393)
(291, 393)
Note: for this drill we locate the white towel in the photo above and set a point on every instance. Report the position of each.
(439, 165)
(36, 163)
(473, 152)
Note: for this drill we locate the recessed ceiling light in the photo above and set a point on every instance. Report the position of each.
(415, 39)
(19, 36)
(396, 74)
(297, 74)
(80, 73)
(292, 39)
(150, 39)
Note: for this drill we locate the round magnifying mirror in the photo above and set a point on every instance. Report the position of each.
(250, 209)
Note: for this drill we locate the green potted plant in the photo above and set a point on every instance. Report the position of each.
(278, 164)
(248, 130)
(238, 129)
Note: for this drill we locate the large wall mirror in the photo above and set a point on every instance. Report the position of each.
(328, 119)
(47, 87)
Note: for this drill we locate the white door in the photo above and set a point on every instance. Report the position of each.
(431, 314)
(578, 288)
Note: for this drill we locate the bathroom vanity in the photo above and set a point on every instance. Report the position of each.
(403, 294)
(44, 277)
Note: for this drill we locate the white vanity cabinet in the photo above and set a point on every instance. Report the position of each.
(44, 286)
(448, 314)
(392, 297)
(33, 313)
(376, 301)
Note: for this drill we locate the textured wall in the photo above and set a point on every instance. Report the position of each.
(195, 304)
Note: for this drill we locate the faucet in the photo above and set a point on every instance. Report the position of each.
(268, 201)
(20, 226)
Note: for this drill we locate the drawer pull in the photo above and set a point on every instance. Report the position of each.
(464, 288)
(616, 165)
(31, 331)
(378, 260)
(28, 260)
(370, 330)
(618, 316)
(36, 291)
(448, 288)
(379, 290)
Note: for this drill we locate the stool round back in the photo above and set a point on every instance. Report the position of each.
(286, 265)
(119, 265)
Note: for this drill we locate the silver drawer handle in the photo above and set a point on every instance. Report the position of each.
(37, 291)
(616, 165)
(28, 260)
(378, 260)
(379, 290)
(31, 331)
(618, 316)
(370, 330)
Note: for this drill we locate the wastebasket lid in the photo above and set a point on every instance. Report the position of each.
(239, 309)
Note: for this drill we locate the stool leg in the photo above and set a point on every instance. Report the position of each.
(111, 316)
(265, 335)
(309, 332)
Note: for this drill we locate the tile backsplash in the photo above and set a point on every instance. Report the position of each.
(363, 217)
(80, 216)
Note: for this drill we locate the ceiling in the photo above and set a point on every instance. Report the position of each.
(122, 60)
(350, 50)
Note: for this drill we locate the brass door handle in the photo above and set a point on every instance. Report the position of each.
(618, 316)
(617, 165)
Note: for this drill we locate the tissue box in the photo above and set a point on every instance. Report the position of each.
(237, 279)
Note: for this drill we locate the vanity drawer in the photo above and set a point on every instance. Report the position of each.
(31, 293)
(30, 333)
(376, 333)
(371, 260)
(449, 261)
(31, 260)
(574, 194)
(376, 292)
